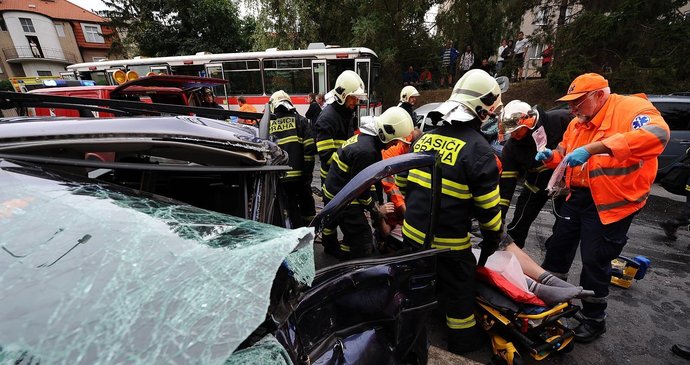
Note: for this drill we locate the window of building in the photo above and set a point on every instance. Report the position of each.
(92, 33)
(60, 29)
(3, 26)
(27, 25)
(542, 17)
(44, 73)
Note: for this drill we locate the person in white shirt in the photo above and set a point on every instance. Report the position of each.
(521, 47)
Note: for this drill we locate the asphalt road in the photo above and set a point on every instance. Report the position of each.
(643, 322)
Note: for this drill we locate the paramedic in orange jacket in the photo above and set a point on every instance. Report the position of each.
(611, 150)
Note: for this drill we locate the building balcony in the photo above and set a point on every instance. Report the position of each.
(23, 54)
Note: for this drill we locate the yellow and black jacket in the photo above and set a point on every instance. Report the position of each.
(332, 128)
(518, 160)
(356, 154)
(469, 189)
(292, 133)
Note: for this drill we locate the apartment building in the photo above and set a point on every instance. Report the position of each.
(41, 37)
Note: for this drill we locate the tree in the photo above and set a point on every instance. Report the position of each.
(177, 27)
(395, 30)
(640, 45)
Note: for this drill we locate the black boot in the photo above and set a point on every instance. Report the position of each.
(589, 330)
(670, 227)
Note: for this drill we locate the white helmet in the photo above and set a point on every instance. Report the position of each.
(406, 92)
(348, 83)
(394, 123)
(479, 92)
(280, 98)
(517, 114)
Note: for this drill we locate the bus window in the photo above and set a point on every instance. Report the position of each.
(336, 67)
(244, 77)
(189, 70)
(289, 75)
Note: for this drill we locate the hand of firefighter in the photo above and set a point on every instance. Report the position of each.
(488, 248)
(544, 155)
(577, 157)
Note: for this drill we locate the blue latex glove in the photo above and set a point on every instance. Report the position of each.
(546, 154)
(577, 157)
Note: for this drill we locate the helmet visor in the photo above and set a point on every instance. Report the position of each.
(516, 120)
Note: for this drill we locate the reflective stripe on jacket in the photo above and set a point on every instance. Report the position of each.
(292, 133)
(633, 129)
(356, 154)
(332, 128)
(469, 188)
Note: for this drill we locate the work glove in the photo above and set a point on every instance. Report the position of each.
(544, 155)
(577, 157)
(488, 248)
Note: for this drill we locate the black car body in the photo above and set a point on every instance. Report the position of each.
(95, 273)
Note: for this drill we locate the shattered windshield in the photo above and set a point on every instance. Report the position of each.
(94, 274)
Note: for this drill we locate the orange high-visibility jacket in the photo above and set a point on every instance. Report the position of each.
(633, 129)
(389, 186)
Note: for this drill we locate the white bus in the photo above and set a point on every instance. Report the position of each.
(255, 75)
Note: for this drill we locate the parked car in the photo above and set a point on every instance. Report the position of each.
(676, 112)
(109, 274)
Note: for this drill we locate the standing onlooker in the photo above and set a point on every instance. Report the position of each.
(508, 55)
(521, 47)
(449, 56)
(466, 61)
(314, 108)
(547, 56)
(500, 61)
(610, 150)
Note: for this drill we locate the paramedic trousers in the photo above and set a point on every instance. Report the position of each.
(300, 202)
(358, 239)
(527, 209)
(599, 244)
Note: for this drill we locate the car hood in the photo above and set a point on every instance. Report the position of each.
(202, 140)
(96, 274)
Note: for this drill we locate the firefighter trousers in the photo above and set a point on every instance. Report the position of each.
(527, 209)
(300, 202)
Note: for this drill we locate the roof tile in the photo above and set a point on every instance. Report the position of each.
(56, 9)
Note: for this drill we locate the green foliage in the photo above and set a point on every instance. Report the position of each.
(6, 85)
(395, 30)
(641, 46)
(177, 27)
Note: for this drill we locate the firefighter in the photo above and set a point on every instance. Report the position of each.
(610, 149)
(519, 120)
(333, 126)
(469, 189)
(408, 97)
(293, 134)
(357, 153)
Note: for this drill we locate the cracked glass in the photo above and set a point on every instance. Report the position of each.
(96, 274)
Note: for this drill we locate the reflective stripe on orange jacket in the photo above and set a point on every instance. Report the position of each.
(389, 186)
(633, 129)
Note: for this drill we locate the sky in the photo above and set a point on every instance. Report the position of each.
(89, 4)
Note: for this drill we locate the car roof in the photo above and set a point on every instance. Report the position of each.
(195, 139)
(669, 98)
